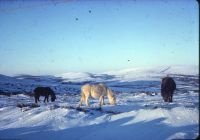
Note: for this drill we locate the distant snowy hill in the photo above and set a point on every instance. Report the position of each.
(173, 69)
(70, 82)
(182, 69)
(130, 75)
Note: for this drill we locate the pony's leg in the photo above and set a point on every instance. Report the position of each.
(170, 97)
(81, 101)
(36, 100)
(87, 102)
(47, 98)
(165, 97)
(101, 101)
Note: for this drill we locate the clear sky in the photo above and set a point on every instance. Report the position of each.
(51, 37)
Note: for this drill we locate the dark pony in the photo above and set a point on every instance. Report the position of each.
(167, 89)
(44, 91)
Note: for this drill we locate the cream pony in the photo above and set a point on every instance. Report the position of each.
(98, 92)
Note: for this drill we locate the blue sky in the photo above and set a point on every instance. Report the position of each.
(45, 37)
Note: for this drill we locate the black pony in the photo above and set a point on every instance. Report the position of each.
(167, 89)
(44, 91)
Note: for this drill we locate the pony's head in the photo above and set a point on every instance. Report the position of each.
(111, 97)
(53, 98)
(167, 96)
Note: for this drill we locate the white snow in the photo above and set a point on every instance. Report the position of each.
(140, 117)
(140, 112)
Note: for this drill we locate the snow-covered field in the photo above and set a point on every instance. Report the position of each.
(140, 112)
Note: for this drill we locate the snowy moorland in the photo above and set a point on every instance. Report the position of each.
(140, 112)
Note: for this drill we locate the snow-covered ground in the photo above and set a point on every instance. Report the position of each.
(140, 112)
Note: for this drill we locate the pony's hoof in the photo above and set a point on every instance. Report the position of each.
(99, 109)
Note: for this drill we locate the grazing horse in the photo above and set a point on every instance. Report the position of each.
(96, 91)
(44, 91)
(167, 89)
